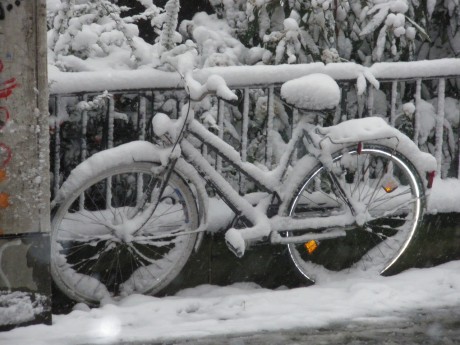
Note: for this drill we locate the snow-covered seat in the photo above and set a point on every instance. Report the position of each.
(312, 92)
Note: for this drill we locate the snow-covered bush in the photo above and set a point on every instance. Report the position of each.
(299, 31)
(214, 39)
(92, 35)
(427, 114)
(87, 35)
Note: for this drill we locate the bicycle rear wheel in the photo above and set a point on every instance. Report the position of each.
(388, 197)
(99, 251)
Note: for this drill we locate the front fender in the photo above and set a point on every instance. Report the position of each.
(136, 151)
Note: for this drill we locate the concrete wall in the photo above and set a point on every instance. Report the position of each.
(24, 163)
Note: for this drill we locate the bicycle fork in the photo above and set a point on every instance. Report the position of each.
(152, 193)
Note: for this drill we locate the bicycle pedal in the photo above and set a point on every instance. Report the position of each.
(235, 242)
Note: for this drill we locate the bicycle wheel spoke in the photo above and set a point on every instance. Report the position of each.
(107, 258)
(390, 218)
(307, 195)
(390, 199)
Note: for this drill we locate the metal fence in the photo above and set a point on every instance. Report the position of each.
(95, 111)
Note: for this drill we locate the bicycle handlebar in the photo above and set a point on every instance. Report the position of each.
(215, 85)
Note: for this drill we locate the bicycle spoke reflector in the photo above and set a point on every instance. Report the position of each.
(389, 184)
(311, 246)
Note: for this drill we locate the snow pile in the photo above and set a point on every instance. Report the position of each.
(19, 307)
(313, 92)
(444, 196)
(245, 307)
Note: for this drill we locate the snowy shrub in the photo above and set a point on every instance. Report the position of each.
(92, 35)
(89, 35)
(214, 39)
(299, 31)
(428, 113)
(291, 45)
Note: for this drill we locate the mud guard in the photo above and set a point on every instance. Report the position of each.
(136, 151)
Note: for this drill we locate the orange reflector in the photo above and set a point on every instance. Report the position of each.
(389, 189)
(389, 185)
(311, 246)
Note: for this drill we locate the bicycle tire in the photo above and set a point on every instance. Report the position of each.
(110, 264)
(374, 246)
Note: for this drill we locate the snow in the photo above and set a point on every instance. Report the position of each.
(237, 76)
(19, 307)
(246, 307)
(313, 92)
(444, 197)
(126, 154)
(377, 129)
(218, 47)
(108, 57)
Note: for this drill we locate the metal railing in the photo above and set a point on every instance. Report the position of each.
(81, 126)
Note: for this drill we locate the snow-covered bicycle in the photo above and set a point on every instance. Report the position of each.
(127, 219)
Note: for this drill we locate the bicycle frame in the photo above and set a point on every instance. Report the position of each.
(261, 226)
(320, 144)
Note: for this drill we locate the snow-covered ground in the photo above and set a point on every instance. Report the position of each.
(245, 307)
(445, 196)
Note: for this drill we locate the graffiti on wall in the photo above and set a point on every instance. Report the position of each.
(6, 89)
(7, 6)
(7, 86)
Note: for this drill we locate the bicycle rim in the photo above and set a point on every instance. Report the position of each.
(388, 196)
(98, 252)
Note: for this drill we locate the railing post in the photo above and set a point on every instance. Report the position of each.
(244, 138)
(440, 124)
(370, 100)
(110, 129)
(360, 100)
(83, 143)
(418, 101)
(458, 153)
(338, 111)
(142, 111)
(57, 145)
(270, 118)
(295, 121)
(394, 96)
(220, 134)
(110, 122)
(142, 116)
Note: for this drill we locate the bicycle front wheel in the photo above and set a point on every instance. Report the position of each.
(387, 196)
(100, 250)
